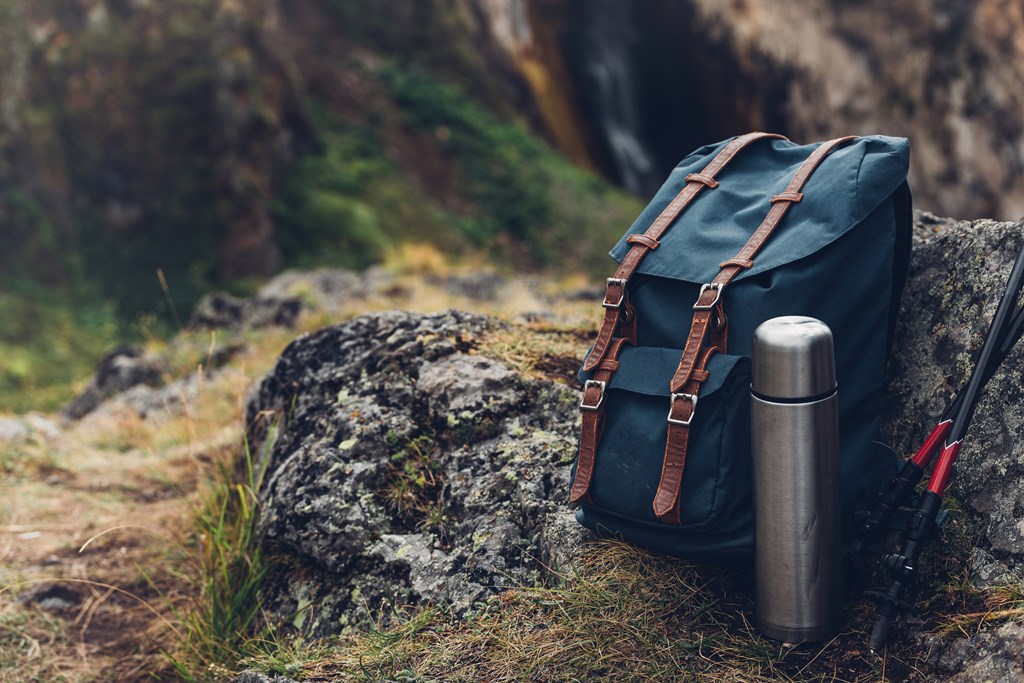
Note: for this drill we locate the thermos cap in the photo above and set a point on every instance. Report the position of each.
(793, 358)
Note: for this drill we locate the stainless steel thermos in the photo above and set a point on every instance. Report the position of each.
(798, 525)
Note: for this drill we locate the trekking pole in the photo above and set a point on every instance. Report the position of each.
(903, 564)
(901, 487)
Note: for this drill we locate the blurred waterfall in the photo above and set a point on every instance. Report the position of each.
(608, 40)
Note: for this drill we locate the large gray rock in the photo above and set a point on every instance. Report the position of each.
(956, 279)
(958, 273)
(995, 655)
(402, 469)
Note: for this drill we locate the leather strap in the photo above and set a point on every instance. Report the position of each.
(709, 302)
(615, 295)
(592, 420)
(682, 408)
(707, 309)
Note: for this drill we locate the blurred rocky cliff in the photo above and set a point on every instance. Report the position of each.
(150, 151)
(630, 87)
(175, 127)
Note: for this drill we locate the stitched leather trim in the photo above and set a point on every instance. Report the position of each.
(744, 263)
(686, 378)
(658, 228)
(648, 242)
(787, 197)
(703, 179)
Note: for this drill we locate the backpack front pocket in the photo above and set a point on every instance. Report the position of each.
(717, 476)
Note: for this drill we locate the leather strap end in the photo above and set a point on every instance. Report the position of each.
(664, 503)
(604, 338)
(582, 496)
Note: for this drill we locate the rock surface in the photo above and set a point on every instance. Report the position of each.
(118, 371)
(221, 310)
(256, 677)
(958, 272)
(957, 276)
(995, 655)
(406, 470)
(603, 76)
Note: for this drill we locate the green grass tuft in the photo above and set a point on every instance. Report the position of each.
(225, 623)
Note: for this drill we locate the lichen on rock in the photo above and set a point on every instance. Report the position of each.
(404, 469)
(955, 283)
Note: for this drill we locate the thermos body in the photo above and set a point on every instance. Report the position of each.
(798, 524)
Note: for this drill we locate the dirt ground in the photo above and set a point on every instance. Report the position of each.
(95, 537)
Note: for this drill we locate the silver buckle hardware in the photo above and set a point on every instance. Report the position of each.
(692, 398)
(621, 282)
(600, 399)
(717, 286)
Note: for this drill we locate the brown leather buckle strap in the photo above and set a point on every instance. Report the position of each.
(682, 410)
(592, 420)
(708, 307)
(695, 183)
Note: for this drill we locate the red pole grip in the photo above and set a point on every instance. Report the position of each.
(943, 468)
(931, 444)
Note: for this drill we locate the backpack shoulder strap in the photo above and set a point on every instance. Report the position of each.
(620, 317)
(615, 288)
(709, 316)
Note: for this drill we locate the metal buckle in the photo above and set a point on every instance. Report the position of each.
(621, 282)
(586, 385)
(692, 398)
(717, 286)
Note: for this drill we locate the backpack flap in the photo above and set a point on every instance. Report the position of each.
(846, 189)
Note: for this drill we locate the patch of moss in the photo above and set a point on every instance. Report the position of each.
(49, 341)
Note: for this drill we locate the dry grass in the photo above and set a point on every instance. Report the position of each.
(622, 614)
(998, 604)
(97, 534)
(536, 351)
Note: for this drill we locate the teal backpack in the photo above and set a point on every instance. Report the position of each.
(742, 231)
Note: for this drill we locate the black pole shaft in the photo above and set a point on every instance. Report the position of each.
(993, 342)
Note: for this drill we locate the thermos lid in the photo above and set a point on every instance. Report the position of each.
(793, 358)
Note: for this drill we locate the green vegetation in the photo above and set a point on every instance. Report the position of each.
(495, 186)
(414, 485)
(48, 341)
(154, 141)
(224, 623)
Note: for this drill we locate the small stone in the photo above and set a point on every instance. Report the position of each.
(219, 310)
(13, 430)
